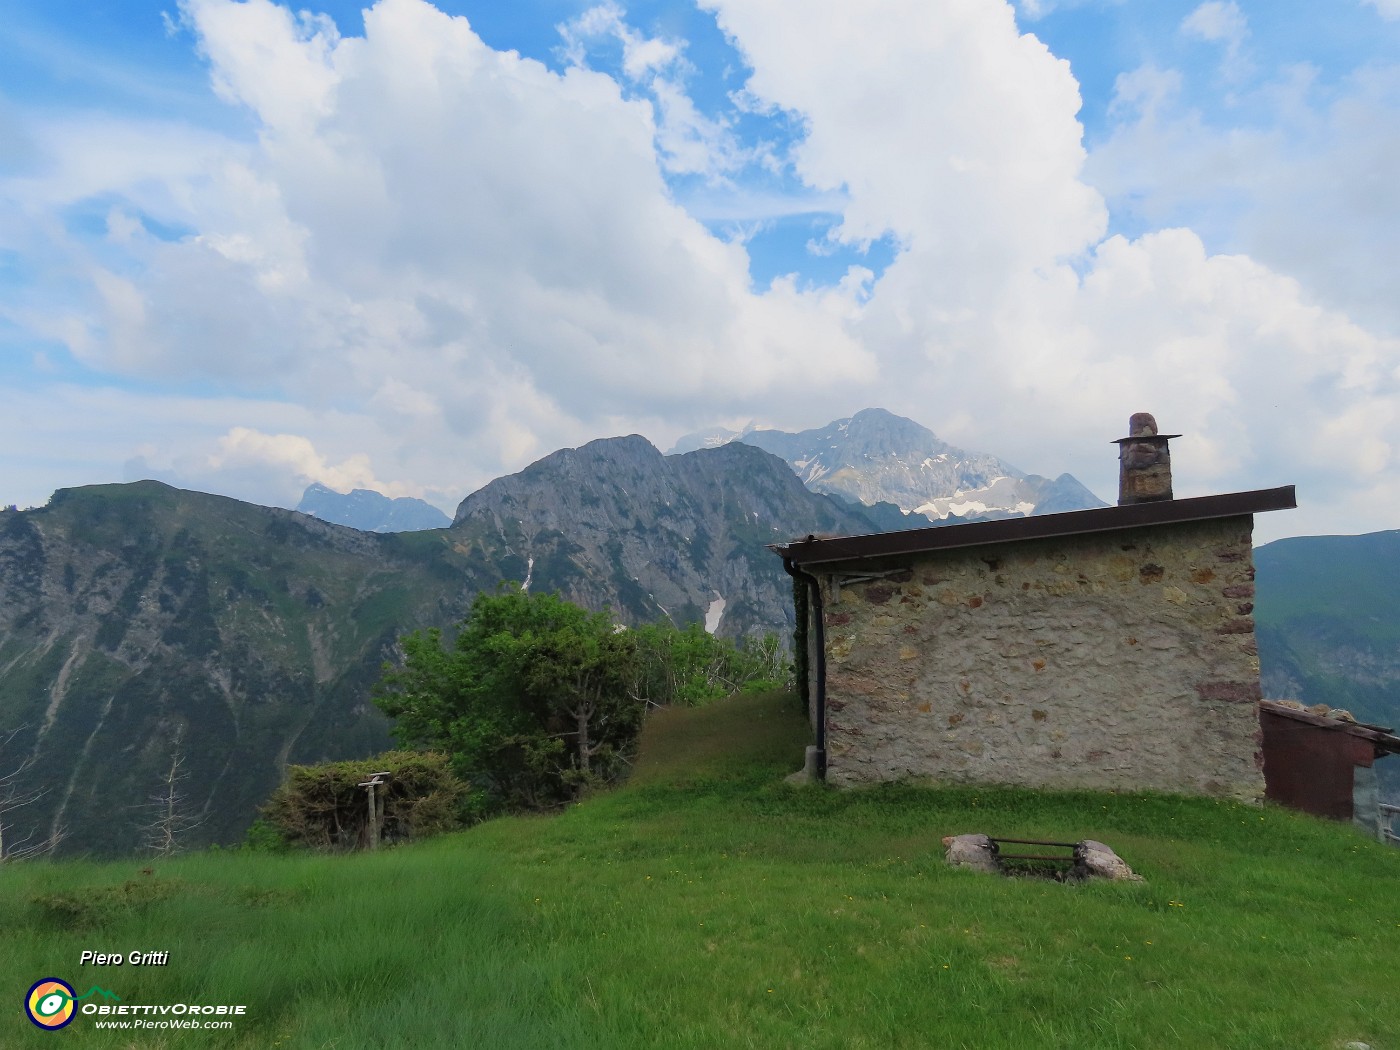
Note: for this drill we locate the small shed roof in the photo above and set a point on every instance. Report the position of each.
(814, 550)
(1382, 738)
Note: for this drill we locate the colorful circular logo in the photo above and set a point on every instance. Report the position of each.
(49, 1003)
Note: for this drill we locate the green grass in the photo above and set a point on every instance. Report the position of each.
(708, 904)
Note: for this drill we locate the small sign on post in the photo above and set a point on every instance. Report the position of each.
(375, 779)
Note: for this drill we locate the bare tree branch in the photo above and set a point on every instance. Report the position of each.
(172, 819)
(13, 797)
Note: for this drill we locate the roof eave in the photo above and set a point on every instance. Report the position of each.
(813, 551)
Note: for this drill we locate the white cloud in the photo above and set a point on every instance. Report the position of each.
(472, 247)
(1005, 320)
(688, 142)
(641, 55)
(1221, 22)
(293, 56)
(1305, 189)
(990, 178)
(437, 261)
(243, 449)
(1034, 10)
(1388, 9)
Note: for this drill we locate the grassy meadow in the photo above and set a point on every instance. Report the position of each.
(709, 904)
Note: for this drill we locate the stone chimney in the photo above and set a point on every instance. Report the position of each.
(1144, 462)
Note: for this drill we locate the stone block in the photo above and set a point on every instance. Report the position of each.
(878, 594)
(1239, 625)
(1099, 861)
(971, 851)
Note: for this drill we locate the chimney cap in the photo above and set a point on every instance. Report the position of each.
(1142, 426)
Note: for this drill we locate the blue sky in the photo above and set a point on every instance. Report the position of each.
(243, 249)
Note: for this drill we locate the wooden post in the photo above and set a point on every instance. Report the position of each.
(373, 819)
(374, 781)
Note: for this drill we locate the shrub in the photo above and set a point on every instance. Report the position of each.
(323, 807)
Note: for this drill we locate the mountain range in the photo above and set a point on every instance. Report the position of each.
(876, 457)
(141, 623)
(371, 511)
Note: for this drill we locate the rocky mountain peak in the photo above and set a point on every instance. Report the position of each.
(875, 456)
(614, 522)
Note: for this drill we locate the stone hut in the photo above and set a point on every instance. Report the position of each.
(1109, 648)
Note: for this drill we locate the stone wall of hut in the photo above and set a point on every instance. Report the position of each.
(1119, 660)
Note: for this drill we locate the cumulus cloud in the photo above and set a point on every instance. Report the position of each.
(688, 142)
(1007, 316)
(260, 450)
(435, 261)
(243, 449)
(979, 188)
(1304, 189)
(537, 236)
(1221, 22)
(467, 243)
(1034, 10)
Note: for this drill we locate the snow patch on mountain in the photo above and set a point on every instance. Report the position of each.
(714, 613)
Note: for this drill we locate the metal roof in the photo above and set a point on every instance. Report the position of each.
(814, 550)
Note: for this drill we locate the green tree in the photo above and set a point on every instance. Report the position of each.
(531, 700)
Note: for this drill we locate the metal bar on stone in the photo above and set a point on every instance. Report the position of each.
(848, 578)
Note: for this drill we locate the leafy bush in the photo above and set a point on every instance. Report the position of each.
(323, 807)
(537, 699)
(691, 666)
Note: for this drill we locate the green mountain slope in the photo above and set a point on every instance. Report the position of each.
(140, 623)
(1327, 613)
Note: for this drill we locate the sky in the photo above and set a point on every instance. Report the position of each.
(411, 247)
